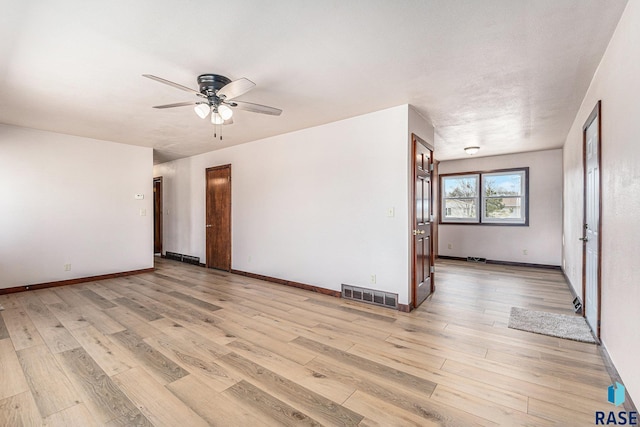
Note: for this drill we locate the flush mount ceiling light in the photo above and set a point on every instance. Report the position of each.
(471, 150)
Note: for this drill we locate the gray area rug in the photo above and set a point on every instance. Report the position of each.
(552, 324)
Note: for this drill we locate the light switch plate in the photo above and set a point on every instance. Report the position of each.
(139, 196)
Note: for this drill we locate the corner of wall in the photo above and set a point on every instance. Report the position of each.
(74, 213)
(320, 191)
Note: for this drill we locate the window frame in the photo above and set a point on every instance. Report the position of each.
(481, 218)
(473, 220)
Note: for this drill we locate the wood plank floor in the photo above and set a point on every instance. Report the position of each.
(187, 346)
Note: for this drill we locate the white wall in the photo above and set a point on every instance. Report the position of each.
(70, 200)
(421, 127)
(309, 206)
(542, 239)
(617, 84)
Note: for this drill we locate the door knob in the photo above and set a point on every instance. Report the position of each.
(584, 239)
(208, 225)
(416, 232)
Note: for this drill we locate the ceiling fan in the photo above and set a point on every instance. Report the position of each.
(217, 97)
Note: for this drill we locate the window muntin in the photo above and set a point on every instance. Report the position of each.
(496, 198)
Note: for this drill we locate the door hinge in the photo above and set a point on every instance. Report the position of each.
(432, 269)
(431, 167)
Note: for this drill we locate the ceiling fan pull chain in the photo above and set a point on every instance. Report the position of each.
(215, 131)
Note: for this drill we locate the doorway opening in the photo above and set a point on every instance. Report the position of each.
(157, 215)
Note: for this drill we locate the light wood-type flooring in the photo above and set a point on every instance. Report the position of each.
(185, 346)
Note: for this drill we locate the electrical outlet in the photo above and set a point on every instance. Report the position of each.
(143, 212)
(249, 258)
(373, 279)
(391, 212)
(67, 267)
(525, 252)
(449, 246)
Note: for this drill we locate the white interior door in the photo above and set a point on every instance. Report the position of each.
(592, 221)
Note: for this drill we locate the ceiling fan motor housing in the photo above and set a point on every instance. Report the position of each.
(209, 84)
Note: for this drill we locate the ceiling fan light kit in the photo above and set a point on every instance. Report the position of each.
(216, 119)
(217, 96)
(202, 110)
(471, 150)
(225, 112)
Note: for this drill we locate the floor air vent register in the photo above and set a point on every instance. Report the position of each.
(371, 296)
(184, 258)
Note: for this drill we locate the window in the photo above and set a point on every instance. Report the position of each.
(460, 198)
(503, 197)
(492, 198)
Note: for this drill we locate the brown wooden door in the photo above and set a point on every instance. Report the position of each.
(423, 259)
(218, 217)
(157, 215)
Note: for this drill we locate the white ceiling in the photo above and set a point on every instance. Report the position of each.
(507, 75)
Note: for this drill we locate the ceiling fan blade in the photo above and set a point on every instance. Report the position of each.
(176, 85)
(235, 88)
(177, 104)
(255, 108)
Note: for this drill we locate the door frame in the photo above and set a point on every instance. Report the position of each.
(206, 239)
(595, 115)
(435, 210)
(412, 220)
(160, 196)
